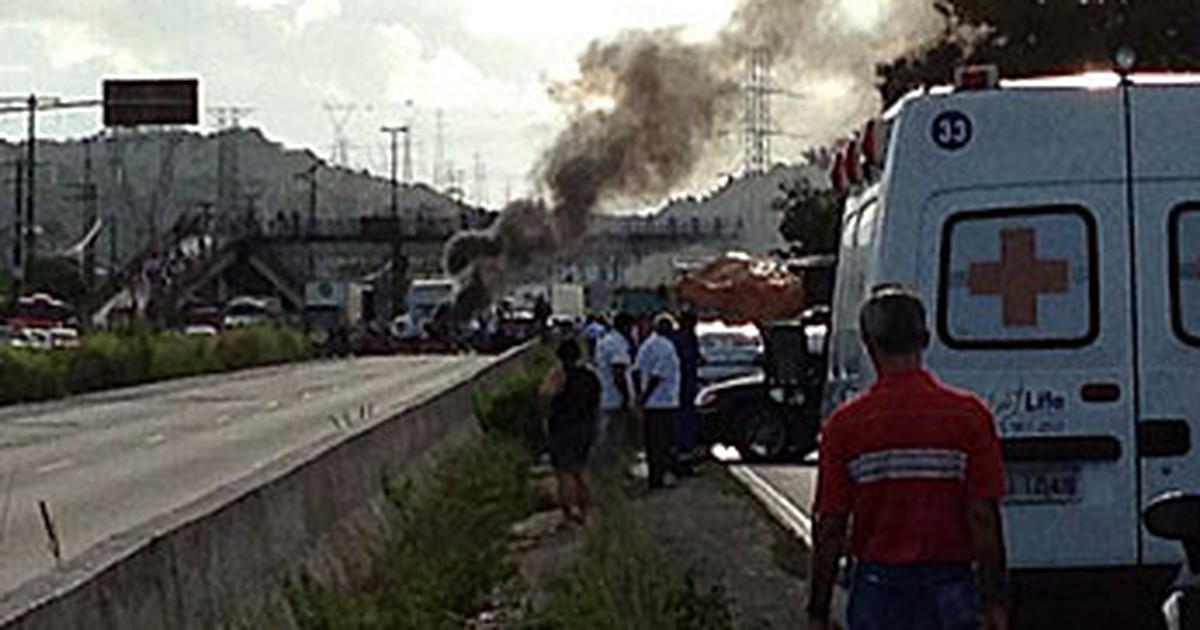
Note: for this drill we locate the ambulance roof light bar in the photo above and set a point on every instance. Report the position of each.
(983, 77)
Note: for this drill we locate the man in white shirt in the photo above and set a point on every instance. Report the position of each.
(657, 383)
(612, 361)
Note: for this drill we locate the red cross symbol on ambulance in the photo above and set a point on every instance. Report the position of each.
(1019, 277)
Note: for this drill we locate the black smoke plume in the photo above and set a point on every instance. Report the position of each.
(646, 107)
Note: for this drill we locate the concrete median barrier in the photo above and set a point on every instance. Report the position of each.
(223, 561)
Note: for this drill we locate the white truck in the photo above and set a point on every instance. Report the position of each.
(333, 308)
(1053, 229)
(424, 299)
(567, 301)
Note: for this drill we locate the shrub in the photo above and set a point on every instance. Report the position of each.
(30, 375)
(448, 553)
(105, 360)
(512, 408)
(260, 345)
(176, 355)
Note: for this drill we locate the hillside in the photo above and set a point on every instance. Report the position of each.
(151, 178)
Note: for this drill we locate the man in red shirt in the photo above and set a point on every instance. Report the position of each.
(912, 471)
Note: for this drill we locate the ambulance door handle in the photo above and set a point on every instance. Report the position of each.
(1164, 437)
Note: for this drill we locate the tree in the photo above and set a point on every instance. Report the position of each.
(811, 216)
(59, 277)
(1038, 37)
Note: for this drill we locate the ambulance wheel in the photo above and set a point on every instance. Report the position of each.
(762, 434)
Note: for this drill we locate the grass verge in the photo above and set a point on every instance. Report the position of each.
(449, 548)
(624, 580)
(448, 553)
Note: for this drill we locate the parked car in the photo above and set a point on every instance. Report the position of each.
(728, 352)
(32, 339)
(246, 311)
(773, 415)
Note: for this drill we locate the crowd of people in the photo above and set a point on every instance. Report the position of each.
(635, 391)
(909, 478)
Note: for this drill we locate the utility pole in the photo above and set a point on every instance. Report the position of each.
(394, 133)
(30, 165)
(398, 268)
(19, 225)
(408, 166)
(309, 175)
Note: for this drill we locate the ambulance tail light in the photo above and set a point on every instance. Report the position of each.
(837, 175)
(870, 146)
(985, 77)
(853, 163)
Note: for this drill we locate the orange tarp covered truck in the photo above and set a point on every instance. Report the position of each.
(739, 288)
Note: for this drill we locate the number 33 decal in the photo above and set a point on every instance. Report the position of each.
(952, 130)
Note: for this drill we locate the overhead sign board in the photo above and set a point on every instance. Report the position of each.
(134, 102)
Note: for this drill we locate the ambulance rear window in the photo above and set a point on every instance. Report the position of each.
(1184, 235)
(1018, 278)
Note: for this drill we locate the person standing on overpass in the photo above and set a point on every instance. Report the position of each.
(909, 482)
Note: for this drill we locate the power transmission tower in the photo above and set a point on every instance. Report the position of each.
(339, 117)
(228, 116)
(480, 180)
(228, 120)
(758, 124)
(439, 150)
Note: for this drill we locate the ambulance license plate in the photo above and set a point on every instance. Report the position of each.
(1043, 484)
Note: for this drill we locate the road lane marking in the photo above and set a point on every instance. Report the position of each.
(8, 493)
(65, 462)
(157, 438)
(788, 514)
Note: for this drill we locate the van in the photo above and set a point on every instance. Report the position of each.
(425, 297)
(1053, 229)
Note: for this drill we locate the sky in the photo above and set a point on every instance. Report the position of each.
(484, 64)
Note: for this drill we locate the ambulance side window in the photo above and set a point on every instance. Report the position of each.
(1184, 246)
(1019, 278)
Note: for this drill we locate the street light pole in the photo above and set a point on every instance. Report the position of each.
(30, 215)
(397, 262)
(395, 132)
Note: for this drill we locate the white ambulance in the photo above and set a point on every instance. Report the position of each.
(1053, 229)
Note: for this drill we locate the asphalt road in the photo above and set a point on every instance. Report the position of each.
(108, 462)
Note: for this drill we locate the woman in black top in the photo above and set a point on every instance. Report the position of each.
(573, 392)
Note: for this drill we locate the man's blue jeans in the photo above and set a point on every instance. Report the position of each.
(912, 597)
